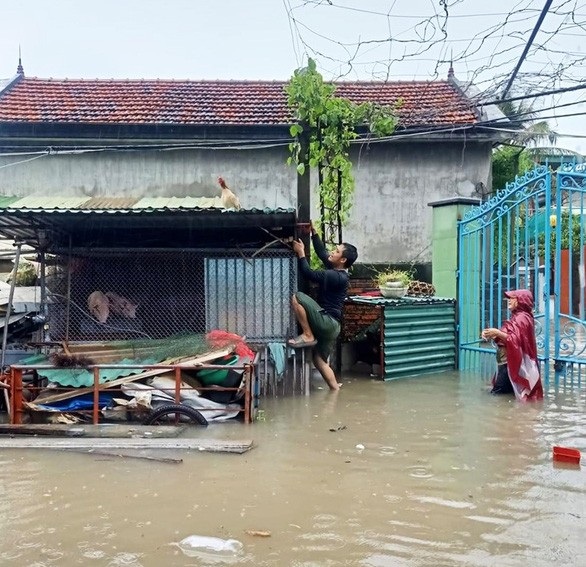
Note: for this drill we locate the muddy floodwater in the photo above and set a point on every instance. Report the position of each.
(427, 471)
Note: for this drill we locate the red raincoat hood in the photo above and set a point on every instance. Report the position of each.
(524, 299)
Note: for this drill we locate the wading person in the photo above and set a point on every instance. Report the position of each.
(320, 320)
(517, 364)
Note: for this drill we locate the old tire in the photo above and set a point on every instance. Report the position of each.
(158, 415)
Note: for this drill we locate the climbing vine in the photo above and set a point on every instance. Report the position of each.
(325, 127)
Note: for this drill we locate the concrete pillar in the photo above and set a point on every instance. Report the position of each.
(444, 256)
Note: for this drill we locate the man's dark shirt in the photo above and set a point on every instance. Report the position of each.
(332, 284)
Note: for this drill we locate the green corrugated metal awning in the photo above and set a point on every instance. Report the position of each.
(402, 301)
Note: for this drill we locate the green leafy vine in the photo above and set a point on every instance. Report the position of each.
(325, 127)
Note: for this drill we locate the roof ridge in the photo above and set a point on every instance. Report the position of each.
(156, 80)
(228, 81)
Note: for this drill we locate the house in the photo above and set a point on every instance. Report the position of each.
(160, 138)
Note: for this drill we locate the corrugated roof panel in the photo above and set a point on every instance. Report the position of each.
(178, 203)
(43, 202)
(5, 201)
(407, 300)
(110, 203)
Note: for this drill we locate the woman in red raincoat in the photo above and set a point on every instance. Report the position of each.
(518, 367)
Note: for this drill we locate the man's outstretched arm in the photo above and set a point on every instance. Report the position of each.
(308, 273)
(320, 248)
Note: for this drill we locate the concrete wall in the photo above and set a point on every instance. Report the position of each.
(395, 183)
(260, 177)
(390, 221)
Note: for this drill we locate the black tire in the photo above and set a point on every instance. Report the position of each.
(157, 415)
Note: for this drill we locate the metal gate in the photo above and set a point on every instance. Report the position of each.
(529, 235)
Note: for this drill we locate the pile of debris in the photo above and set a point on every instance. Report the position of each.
(190, 376)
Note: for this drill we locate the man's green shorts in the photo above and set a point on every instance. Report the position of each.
(324, 327)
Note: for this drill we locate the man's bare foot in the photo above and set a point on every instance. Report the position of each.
(302, 340)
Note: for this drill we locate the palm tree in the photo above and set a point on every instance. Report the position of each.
(522, 116)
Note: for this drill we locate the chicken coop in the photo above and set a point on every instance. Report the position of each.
(111, 294)
(155, 269)
(113, 270)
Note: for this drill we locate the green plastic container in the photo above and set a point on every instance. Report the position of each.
(217, 376)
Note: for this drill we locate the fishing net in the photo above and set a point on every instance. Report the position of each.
(70, 364)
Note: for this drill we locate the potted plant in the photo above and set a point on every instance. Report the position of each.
(393, 283)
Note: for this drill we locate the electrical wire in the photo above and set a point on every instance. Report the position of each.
(40, 155)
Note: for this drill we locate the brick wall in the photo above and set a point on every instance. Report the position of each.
(357, 318)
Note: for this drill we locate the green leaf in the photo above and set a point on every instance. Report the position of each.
(295, 130)
(301, 169)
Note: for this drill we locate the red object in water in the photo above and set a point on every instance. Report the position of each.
(566, 455)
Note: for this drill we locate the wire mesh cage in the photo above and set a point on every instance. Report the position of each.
(101, 295)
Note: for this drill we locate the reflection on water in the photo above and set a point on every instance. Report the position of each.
(448, 475)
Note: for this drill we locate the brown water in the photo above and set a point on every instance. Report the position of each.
(449, 475)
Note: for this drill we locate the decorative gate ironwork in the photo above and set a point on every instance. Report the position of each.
(529, 235)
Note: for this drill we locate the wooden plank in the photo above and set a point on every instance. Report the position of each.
(111, 431)
(208, 445)
(126, 455)
(188, 361)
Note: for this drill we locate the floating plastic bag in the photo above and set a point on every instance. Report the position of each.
(195, 545)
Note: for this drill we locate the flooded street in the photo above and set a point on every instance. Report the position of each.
(448, 475)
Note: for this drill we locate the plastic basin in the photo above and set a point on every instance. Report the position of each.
(216, 376)
(566, 455)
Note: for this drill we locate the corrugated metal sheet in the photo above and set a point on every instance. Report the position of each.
(7, 201)
(403, 301)
(120, 204)
(178, 203)
(97, 203)
(82, 378)
(419, 337)
(43, 202)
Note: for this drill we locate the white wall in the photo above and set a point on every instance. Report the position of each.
(390, 221)
(395, 183)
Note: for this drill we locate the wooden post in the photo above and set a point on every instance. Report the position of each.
(16, 397)
(177, 385)
(304, 200)
(95, 415)
(247, 392)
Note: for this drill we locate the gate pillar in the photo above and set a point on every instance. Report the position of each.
(444, 254)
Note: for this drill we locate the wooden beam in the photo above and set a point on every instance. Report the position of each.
(126, 455)
(110, 431)
(208, 445)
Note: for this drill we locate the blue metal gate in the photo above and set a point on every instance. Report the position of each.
(520, 238)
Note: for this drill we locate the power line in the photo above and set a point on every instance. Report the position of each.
(524, 97)
(529, 42)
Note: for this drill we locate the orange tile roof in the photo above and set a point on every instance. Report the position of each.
(239, 103)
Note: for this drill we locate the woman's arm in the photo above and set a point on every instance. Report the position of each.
(492, 333)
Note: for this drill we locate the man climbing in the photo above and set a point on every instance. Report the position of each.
(320, 321)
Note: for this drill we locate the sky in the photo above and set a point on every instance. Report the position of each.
(349, 39)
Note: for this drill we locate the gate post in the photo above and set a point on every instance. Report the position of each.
(445, 255)
(444, 252)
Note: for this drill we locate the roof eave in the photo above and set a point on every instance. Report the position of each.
(11, 83)
(473, 94)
